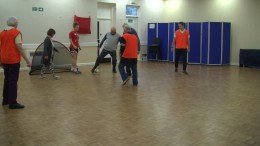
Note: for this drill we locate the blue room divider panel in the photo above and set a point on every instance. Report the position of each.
(171, 35)
(205, 43)
(226, 43)
(210, 42)
(215, 43)
(152, 33)
(163, 35)
(195, 40)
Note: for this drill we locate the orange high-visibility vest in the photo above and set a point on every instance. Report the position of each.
(131, 46)
(9, 51)
(182, 39)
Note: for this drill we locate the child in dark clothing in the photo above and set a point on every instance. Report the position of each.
(47, 58)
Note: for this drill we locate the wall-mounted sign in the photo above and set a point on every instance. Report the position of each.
(40, 9)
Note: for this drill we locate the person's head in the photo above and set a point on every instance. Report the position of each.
(125, 24)
(181, 25)
(12, 21)
(127, 29)
(51, 32)
(75, 26)
(113, 30)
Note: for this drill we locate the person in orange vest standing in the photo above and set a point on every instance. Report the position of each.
(129, 53)
(182, 43)
(10, 56)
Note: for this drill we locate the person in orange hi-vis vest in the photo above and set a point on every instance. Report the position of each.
(182, 43)
(128, 53)
(10, 56)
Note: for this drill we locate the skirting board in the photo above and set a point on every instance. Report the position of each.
(27, 68)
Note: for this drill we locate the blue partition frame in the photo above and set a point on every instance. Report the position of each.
(226, 43)
(163, 31)
(194, 56)
(215, 43)
(171, 35)
(205, 43)
(152, 33)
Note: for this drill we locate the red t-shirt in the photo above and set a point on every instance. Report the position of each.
(75, 39)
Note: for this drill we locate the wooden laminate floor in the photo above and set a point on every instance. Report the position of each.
(213, 106)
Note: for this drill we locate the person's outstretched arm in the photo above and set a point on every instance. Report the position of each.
(103, 40)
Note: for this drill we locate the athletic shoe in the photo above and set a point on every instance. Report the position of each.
(125, 81)
(77, 72)
(56, 77)
(95, 70)
(42, 76)
(185, 72)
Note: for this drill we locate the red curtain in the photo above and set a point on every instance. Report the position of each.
(84, 24)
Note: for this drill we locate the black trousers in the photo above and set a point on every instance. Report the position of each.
(178, 53)
(11, 72)
(103, 54)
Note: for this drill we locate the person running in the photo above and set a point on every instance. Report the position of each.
(110, 42)
(129, 52)
(74, 47)
(132, 31)
(182, 41)
(48, 54)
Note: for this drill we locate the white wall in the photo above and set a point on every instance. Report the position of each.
(57, 14)
(243, 15)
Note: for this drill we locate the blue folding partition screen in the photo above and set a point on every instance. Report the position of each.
(152, 34)
(194, 56)
(226, 43)
(163, 30)
(209, 42)
(171, 35)
(216, 43)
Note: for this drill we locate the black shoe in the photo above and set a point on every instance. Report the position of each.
(5, 103)
(16, 106)
(185, 72)
(176, 70)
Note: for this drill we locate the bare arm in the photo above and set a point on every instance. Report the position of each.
(188, 49)
(21, 51)
(173, 43)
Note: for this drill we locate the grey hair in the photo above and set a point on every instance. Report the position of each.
(124, 25)
(127, 28)
(12, 21)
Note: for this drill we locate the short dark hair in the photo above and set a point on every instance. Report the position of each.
(75, 24)
(182, 23)
(51, 32)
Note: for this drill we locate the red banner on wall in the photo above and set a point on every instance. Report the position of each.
(84, 24)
